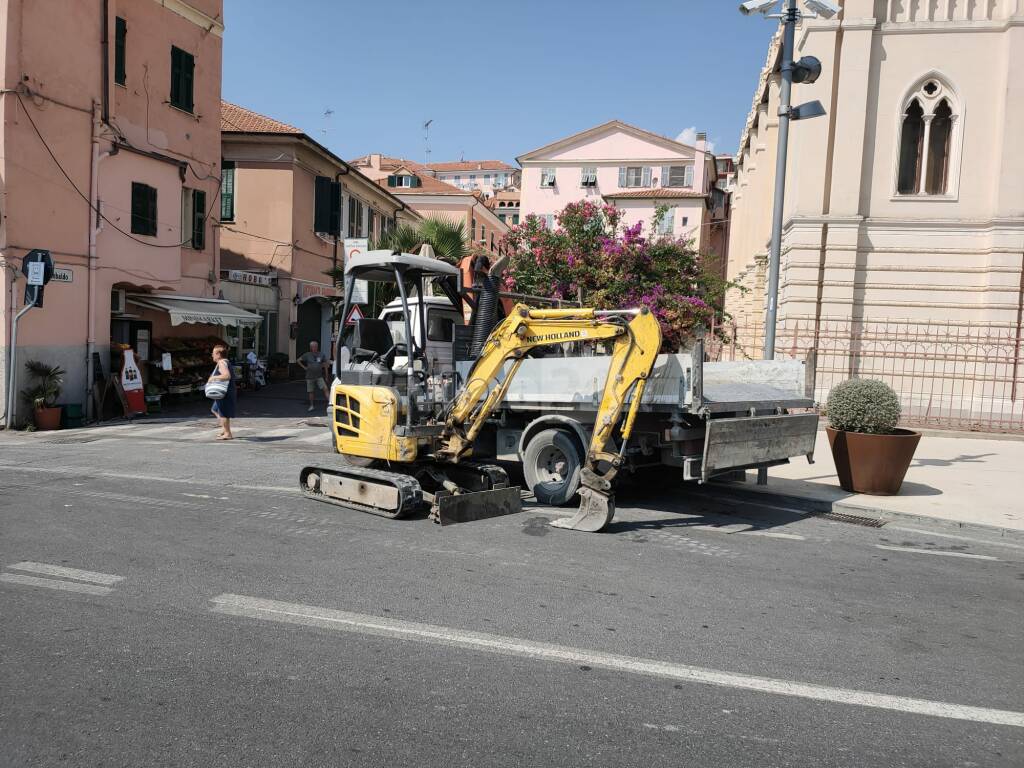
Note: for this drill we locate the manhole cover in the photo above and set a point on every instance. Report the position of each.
(839, 517)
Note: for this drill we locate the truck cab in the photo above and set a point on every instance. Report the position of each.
(441, 319)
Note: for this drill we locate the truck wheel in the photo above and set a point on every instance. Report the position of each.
(551, 465)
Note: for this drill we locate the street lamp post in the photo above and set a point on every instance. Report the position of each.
(806, 70)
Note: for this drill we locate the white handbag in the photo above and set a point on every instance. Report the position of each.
(216, 390)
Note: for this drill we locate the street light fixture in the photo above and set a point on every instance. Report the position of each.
(806, 70)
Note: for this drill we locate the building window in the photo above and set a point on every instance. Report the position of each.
(227, 191)
(327, 206)
(473, 234)
(634, 176)
(549, 220)
(515, 218)
(588, 177)
(500, 180)
(665, 224)
(458, 180)
(911, 146)
(404, 180)
(183, 67)
(143, 209)
(120, 39)
(193, 218)
(547, 177)
(483, 234)
(371, 222)
(355, 216)
(677, 176)
(501, 217)
(492, 242)
(927, 141)
(487, 179)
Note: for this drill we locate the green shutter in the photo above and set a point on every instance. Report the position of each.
(322, 204)
(335, 209)
(227, 191)
(416, 182)
(198, 219)
(120, 39)
(392, 181)
(182, 77)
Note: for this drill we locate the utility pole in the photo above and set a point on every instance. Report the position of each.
(789, 19)
(806, 70)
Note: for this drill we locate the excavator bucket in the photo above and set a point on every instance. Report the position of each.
(597, 509)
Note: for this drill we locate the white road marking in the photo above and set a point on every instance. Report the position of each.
(60, 571)
(916, 551)
(991, 542)
(67, 586)
(295, 613)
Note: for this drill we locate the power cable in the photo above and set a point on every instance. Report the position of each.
(92, 207)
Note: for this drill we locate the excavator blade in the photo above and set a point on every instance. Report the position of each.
(597, 509)
(479, 505)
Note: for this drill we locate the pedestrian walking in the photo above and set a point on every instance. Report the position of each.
(224, 409)
(314, 363)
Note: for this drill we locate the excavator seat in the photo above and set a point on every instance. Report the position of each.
(372, 340)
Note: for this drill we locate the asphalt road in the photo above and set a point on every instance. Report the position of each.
(212, 617)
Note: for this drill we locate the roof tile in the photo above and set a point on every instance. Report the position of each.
(236, 119)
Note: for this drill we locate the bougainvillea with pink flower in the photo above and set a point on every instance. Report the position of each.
(592, 254)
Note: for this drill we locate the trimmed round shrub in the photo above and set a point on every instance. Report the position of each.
(863, 405)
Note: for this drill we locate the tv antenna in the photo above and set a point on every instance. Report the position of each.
(426, 141)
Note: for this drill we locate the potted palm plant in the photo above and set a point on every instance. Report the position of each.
(43, 394)
(871, 453)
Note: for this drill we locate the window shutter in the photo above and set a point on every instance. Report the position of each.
(199, 219)
(120, 40)
(622, 177)
(392, 181)
(666, 175)
(416, 181)
(188, 74)
(151, 210)
(688, 176)
(175, 75)
(335, 209)
(646, 182)
(322, 204)
(227, 191)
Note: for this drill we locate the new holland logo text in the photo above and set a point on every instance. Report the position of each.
(562, 336)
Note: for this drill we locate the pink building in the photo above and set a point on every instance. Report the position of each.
(488, 176)
(634, 169)
(110, 159)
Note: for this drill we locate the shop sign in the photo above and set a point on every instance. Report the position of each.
(249, 278)
(61, 275)
(199, 317)
(313, 290)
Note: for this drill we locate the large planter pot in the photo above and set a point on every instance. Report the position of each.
(872, 464)
(47, 418)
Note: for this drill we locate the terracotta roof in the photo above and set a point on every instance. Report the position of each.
(236, 119)
(653, 194)
(597, 129)
(471, 165)
(388, 163)
(428, 186)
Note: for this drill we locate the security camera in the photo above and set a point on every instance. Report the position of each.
(757, 6)
(824, 8)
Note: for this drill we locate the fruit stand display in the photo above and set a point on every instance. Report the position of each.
(190, 364)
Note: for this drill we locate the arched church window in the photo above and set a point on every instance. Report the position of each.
(928, 140)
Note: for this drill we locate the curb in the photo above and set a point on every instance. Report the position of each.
(811, 506)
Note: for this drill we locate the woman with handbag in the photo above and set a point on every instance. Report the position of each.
(221, 389)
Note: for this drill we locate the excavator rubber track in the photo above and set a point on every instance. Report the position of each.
(375, 491)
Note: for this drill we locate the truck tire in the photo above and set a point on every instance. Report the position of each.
(551, 466)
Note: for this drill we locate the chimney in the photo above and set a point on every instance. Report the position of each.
(701, 144)
(375, 161)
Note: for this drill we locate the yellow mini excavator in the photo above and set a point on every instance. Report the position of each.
(405, 426)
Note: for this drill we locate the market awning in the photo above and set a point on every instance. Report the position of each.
(189, 309)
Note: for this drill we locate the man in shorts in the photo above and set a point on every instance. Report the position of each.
(314, 363)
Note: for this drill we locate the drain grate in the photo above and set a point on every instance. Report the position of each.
(72, 440)
(839, 517)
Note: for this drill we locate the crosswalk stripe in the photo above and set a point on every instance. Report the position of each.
(46, 569)
(67, 586)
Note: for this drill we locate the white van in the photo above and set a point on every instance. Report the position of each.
(442, 318)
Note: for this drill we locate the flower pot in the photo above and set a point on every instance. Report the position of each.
(47, 418)
(872, 464)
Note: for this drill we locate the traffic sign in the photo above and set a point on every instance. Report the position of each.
(354, 314)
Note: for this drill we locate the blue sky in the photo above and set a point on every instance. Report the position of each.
(497, 78)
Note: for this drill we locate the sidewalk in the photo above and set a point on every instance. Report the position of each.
(966, 482)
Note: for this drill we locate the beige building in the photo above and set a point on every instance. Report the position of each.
(418, 187)
(287, 206)
(905, 205)
(109, 159)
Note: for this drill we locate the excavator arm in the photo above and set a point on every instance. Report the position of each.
(635, 344)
